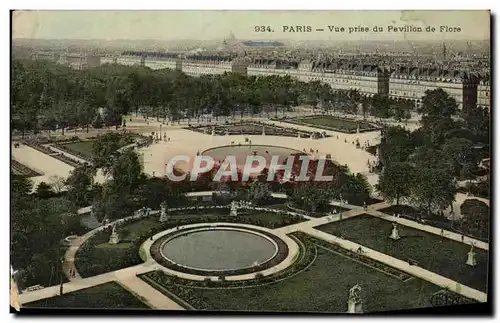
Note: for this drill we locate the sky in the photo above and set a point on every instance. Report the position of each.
(213, 25)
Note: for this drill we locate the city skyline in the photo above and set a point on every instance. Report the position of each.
(213, 25)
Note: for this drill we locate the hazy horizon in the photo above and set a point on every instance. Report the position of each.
(209, 25)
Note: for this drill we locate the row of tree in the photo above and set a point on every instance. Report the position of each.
(46, 96)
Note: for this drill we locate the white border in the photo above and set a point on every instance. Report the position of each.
(217, 4)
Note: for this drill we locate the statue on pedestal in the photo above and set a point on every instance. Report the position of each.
(395, 232)
(471, 256)
(355, 303)
(114, 238)
(213, 131)
(234, 209)
(263, 130)
(163, 212)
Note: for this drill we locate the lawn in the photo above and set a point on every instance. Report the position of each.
(105, 296)
(82, 147)
(333, 123)
(97, 256)
(323, 287)
(440, 255)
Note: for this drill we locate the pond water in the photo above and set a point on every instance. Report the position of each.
(219, 249)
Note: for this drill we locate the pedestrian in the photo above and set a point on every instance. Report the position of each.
(462, 238)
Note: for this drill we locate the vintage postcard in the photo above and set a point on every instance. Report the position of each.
(251, 161)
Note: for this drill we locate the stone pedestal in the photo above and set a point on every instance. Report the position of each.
(263, 131)
(471, 257)
(298, 135)
(355, 303)
(395, 232)
(312, 136)
(354, 308)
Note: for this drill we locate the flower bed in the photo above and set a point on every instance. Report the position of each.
(254, 128)
(24, 170)
(343, 125)
(59, 156)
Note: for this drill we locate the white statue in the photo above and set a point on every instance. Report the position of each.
(114, 238)
(395, 232)
(234, 209)
(163, 213)
(471, 256)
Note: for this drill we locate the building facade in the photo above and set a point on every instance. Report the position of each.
(405, 83)
(412, 83)
(483, 94)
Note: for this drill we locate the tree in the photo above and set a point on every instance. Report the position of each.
(259, 192)
(311, 198)
(58, 183)
(437, 103)
(434, 188)
(476, 217)
(459, 151)
(105, 150)
(37, 230)
(126, 172)
(396, 181)
(396, 145)
(79, 183)
(44, 190)
(113, 206)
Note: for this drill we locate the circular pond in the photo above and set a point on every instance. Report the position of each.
(219, 249)
(242, 151)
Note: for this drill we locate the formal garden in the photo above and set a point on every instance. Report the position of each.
(22, 170)
(332, 123)
(441, 255)
(319, 284)
(87, 149)
(97, 256)
(474, 222)
(256, 129)
(105, 296)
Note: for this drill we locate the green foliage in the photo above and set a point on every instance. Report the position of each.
(44, 190)
(38, 226)
(79, 183)
(396, 145)
(104, 296)
(397, 181)
(311, 198)
(437, 103)
(476, 218)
